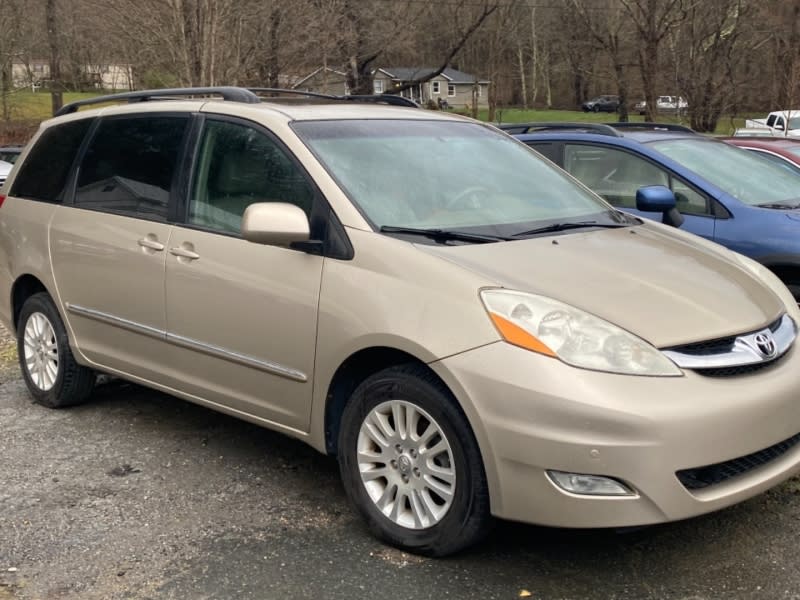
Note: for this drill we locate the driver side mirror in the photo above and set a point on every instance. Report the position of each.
(275, 224)
(658, 198)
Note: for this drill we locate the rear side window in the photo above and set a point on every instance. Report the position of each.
(129, 166)
(44, 174)
(614, 174)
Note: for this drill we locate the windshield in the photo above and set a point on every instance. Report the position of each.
(738, 172)
(447, 175)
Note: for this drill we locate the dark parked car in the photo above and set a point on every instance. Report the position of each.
(601, 104)
(722, 193)
(780, 150)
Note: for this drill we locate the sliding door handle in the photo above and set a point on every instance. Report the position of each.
(183, 252)
(151, 243)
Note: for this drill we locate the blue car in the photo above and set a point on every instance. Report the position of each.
(722, 193)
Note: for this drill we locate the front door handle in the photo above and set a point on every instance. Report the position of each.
(184, 252)
(151, 243)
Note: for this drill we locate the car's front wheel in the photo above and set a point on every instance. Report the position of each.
(51, 373)
(410, 463)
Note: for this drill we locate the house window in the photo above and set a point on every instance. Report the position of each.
(377, 86)
(435, 87)
(451, 89)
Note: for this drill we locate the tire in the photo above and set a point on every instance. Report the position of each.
(419, 519)
(42, 340)
(596, 108)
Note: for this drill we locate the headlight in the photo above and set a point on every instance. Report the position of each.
(579, 339)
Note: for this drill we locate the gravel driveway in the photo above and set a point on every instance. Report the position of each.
(140, 495)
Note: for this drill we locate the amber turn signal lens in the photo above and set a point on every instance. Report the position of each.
(514, 334)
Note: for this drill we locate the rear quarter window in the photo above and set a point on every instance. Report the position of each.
(129, 165)
(43, 175)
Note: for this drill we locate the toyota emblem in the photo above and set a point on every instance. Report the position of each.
(765, 344)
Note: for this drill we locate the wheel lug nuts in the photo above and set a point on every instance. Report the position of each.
(398, 448)
(416, 472)
(393, 463)
(413, 453)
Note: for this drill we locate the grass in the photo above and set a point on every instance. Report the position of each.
(35, 106)
(725, 125)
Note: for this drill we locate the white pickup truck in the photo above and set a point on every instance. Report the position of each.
(777, 122)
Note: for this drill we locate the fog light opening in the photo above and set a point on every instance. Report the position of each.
(589, 485)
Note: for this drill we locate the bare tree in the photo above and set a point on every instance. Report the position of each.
(706, 52)
(579, 49)
(785, 18)
(653, 20)
(607, 23)
(11, 24)
(54, 42)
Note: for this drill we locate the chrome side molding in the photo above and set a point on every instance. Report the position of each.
(189, 343)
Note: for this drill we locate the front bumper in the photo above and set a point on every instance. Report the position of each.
(532, 413)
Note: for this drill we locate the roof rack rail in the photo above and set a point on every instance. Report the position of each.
(600, 128)
(373, 98)
(382, 99)
(653, 126)
(268, 90)
(234, 94)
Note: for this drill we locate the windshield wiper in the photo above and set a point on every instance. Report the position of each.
(445, 235)
(570, 225)
(779, 205)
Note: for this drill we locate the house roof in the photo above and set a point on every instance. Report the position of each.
(410, 74)
(403, 74)
(319, 70)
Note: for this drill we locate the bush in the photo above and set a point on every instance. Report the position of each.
(153, 79)
(17, 132)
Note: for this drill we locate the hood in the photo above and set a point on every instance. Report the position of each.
(657, 285)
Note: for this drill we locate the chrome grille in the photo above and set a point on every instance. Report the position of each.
(736, 355)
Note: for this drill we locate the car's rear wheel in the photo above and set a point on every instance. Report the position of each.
(596, 108)
(410, 463)
(51, 373)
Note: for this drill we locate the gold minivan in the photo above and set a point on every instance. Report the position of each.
(471, 331)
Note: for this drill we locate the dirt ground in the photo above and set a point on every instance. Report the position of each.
(138, 495)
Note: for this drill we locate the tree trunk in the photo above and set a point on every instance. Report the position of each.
(648, 56)
(53, 39)
(534, 58)
(622, 88)
(522, 82)
(788, 60)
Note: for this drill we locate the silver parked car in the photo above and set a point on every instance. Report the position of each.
(5, 169)
(471, 331)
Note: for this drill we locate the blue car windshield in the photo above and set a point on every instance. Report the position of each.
(740, 173)
(447, 175)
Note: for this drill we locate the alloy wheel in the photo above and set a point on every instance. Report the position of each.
(41, 351)
(406, 464)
